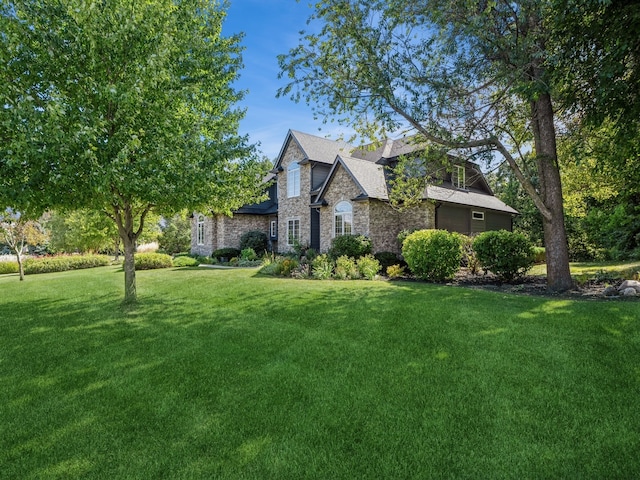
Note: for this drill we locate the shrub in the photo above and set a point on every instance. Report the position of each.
(539, 255)
(395, 271)
(403, 235)
(432, 254)
(469, 257)
(227, 253)
(248, 254)
(387, 259)
(256, 240)
(322, 267)
(346, 268)
(184, 261)
(150, 261)
(63, 263)
(8, 267)
(354, 246)
(368, 267)
(506, 254)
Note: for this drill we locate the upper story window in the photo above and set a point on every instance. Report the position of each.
(343, 219)
(293, 180)
(200, 230)
(458, 176)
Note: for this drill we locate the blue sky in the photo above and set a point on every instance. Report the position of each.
(271, 27)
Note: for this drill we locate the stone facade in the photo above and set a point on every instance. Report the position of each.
(294, 208)
(222, 231)
(372, 218)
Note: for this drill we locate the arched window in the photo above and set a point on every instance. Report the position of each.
(200, 230)
(343, 219)
(293, 180)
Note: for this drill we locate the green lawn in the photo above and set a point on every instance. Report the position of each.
(225, 374)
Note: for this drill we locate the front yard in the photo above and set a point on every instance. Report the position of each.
(226, 374)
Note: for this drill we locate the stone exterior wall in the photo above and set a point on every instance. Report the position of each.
(209, 236)
(342, 188)
(386, 223)
(222, 231)
(295, 207)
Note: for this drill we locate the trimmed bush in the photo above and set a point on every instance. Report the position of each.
(256, 240)
(368, 267)
(63, 263)
(507, 254)
(346, 268)
(184, 261)
(322, 267)
(151, 261)
(8, 267)
(354, 246)
(227, 253)
(248, 254)
(433, 254)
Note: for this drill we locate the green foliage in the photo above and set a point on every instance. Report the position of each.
(395, 271)
(286, 266)
(354, 246)
(131, 109)
(175, 236)
(346, 268)
(248, 254)
(151, 261)
(507, 254)
(82, 230)
(227, 253)
(469, 257)
(432, 254)
(322, 267)
(185, 261)
(63, 263)
(387, 259)
(539, 255)
(8, 267)
(368, 267)
(255, 240)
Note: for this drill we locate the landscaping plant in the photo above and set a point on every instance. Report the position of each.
(432, 254)
(508, 255)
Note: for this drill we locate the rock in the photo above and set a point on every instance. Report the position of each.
(610, 291)
(630, 284)
(629, 292)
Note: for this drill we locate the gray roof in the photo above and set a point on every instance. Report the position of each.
(467, 198)
(368, 176)
(320, 149)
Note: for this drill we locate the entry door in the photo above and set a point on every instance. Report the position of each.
(315, 229)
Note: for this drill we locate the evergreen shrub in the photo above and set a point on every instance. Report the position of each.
(508, 255)
(185, 261)
(354, 246)
(8, 267)
(62, 263)
(433, 254)
(256, 240)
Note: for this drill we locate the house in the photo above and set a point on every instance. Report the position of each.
(322, 188)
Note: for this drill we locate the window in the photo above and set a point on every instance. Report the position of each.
(273, 229)
(477, 215)
(293, 231)
(293, 180)
(457, 176)
(200, 230)
(343, 219)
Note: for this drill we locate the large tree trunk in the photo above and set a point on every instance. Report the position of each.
(555, 236)
(20, 264)
(130, 294)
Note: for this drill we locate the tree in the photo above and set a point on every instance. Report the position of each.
(125, 107)
(18, 233)
(176, 234)
(466, 75)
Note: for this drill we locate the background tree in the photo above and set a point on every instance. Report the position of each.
(18, 233)
(466, 75)
(125, 107)
(176, 234)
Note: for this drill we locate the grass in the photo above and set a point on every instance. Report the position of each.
(225, 374)
(624, 270)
